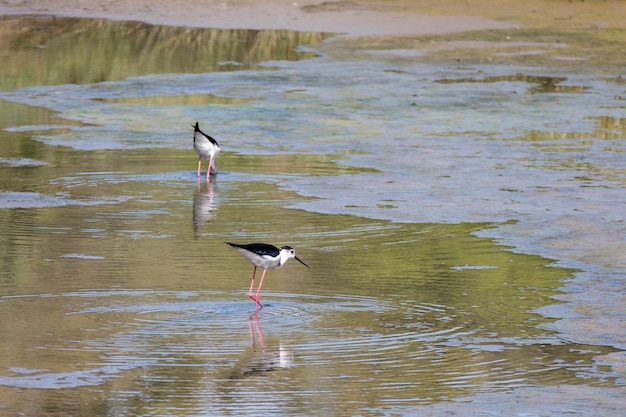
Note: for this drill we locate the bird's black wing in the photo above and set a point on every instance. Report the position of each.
(261, 249)
(196, 129)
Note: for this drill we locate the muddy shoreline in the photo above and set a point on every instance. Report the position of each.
(361, 18)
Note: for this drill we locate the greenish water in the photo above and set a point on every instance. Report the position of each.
(45, 50)
(445, 212)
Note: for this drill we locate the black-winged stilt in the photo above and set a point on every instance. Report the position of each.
(207, 148)
(265, 256)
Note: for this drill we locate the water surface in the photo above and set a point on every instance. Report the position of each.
(450, 214)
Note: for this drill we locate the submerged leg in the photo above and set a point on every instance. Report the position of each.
(208, 170)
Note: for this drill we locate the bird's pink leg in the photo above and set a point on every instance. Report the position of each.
(199, 165)
(258, 291)
(208, 170)
(252, 286)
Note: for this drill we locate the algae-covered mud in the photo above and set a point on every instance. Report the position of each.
(461, 209)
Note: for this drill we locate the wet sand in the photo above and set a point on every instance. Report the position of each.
(354, 18)
(342, 16)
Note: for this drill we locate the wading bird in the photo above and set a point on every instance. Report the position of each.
(264, 256)
(207, 148)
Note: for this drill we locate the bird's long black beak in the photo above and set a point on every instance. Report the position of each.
(300, 260)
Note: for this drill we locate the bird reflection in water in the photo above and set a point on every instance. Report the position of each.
(204, 205)
(261, 357)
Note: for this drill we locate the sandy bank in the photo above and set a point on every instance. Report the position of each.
(350, 17)
(353, 17)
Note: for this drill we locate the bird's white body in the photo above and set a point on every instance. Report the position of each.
(207, 148)
(265, 256)
(267, 260)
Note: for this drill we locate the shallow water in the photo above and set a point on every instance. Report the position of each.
(445, 211)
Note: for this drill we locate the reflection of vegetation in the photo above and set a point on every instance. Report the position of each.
(545, 84)
(187, 100)
(598, 49)
(443, 265)
(534, 79)
(70, 50)
(612, 127)
(14, 114)
(608, 128)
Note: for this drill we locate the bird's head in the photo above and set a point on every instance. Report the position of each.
(286, 253)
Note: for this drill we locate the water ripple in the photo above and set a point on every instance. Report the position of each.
(214, 347)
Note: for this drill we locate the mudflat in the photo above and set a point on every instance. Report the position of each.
(358, 18)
